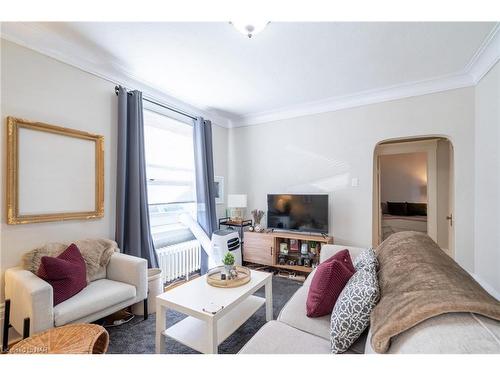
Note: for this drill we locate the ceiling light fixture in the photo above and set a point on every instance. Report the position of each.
(249, 28)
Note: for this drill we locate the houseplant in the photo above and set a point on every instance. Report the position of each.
(313, 246)
(228, 261)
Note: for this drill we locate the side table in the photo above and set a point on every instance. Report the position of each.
(240, 224)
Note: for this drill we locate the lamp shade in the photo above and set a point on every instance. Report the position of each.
(237, 200)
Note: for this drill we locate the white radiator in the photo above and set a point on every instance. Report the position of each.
(179, 260)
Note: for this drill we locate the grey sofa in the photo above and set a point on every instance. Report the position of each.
(294, 333)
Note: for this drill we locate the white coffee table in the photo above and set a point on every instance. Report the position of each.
(204, 331)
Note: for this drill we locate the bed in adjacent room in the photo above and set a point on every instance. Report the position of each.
(403, 216)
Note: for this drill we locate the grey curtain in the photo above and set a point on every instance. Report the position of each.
(133, 233)
(205, 186)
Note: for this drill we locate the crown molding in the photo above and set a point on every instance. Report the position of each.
(486, 56)
(483, 60)
(359, 99)
(40, 39)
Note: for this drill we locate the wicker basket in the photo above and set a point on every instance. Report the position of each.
(70, 339)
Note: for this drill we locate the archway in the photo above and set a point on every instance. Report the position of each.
(413, 189)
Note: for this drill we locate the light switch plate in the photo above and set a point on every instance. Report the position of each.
(354, 182)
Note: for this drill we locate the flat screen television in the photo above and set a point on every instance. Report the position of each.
(298, 212)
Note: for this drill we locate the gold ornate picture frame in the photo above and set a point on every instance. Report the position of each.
(53, 173)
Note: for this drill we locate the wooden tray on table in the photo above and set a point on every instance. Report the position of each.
(214, 277)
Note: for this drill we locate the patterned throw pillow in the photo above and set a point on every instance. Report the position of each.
(351, 313)
(366, 259)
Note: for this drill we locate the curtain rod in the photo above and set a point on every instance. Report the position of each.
(162, 105)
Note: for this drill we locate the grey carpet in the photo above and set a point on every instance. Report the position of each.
(138, 336)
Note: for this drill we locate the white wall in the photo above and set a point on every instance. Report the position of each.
(39, 88)
(487, 179)
(323, 152)
(403, 177)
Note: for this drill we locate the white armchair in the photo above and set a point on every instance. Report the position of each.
(31, 298)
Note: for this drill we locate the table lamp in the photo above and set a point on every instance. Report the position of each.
(236, 204)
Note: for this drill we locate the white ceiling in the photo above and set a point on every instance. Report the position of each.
(288, 65)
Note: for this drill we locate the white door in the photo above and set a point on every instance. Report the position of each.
(451, 200)
(379, 207)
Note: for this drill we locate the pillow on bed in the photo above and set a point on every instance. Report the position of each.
(397, 208)
(416, 209)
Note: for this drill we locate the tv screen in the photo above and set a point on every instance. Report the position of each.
(300, 212)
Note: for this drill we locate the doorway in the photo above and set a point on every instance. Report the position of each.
(413, 189)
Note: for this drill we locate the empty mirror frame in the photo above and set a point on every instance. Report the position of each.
(53, 173)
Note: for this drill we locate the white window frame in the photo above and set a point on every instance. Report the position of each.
(148, 106)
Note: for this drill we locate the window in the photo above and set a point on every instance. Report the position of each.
(171, 176)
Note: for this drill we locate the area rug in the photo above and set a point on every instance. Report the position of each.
(138, 336)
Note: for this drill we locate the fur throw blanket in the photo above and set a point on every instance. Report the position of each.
(418, 281)
(95, 252)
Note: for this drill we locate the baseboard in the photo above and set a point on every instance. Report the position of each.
(495, 293)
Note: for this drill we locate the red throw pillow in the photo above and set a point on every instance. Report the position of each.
(343, 257)
(327, 284)
(67, 273)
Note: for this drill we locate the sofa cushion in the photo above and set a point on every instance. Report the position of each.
(294, 314)
(452, 333)
(358, 347)
(66, 273)
(351, 314)
(327, 283)
(98, 295)
(278, 338)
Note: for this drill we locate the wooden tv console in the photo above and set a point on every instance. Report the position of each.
(264, 248)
